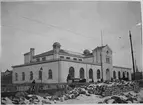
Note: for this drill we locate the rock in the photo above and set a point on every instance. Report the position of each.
(21, 94)
(110, 101)
(118, 99)
(8, 101)
(45, 102)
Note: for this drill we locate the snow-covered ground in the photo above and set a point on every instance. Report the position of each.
(79, 95)
(83, 99)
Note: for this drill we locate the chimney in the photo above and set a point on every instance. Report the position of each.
(32, 53)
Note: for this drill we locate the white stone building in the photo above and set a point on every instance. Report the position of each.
(54, 66)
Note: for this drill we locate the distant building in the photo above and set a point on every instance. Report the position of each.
(54, 66)
(6, 77)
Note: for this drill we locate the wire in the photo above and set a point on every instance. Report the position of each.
(20, 29)
(54, 26)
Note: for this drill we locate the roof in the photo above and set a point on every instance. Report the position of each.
(122, 67)
(45, 54)
(71, 53)
(99, 47)
(64, 52)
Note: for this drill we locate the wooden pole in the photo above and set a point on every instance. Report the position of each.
(132, 54)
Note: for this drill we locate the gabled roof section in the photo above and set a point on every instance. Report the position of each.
(108, 47)
(99, 47)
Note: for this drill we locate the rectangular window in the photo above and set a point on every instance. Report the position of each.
(61, 56)
(44, 58)
(107, 60)
(80, 59)
(38, 59)
(67, 57)
(74, 58)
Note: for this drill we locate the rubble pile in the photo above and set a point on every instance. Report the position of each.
(113, 89)
(124, 99)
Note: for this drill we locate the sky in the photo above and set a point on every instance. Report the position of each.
(75, 25)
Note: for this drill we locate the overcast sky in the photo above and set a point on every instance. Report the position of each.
(75, 25)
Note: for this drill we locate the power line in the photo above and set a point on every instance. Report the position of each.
(20, 29)
(54, 26)
(57, 27)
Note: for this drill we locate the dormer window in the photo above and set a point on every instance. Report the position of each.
(38, 59)
(44, 58)
(74, 58)
(67, 57)
(61, 56)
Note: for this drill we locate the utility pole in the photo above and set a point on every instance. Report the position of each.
(132, 54)
(101, 56)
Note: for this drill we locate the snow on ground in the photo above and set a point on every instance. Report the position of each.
(83, 99)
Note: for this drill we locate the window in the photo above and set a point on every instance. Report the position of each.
(114, 74)
(81, 73)
(31, 75)
(44, 58)
(98, 74)
(127, 75)
(16, 77)
(119, 75)
(40, 75)
(67, 57)
(50, 74)
(107, 52)
(90, 74)
(107, 60)
(71, 72)
(80, 59)
(23, 76)
(61, 56)
(123, 75)
(74, 58)
(38, 59)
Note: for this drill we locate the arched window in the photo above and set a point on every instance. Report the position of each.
(108, 74)
(23, 76)
(16, 77)
(31, 75)
(128, 75)
(40, 75)
(71, 72)
(50, 74)
(123, 75)
(114, 74)
(90, 74)
(81, 73)
(98, 74)
(119, 75)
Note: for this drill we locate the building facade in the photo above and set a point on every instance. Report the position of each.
(54, 66)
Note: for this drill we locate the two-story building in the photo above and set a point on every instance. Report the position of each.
(54, 66)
